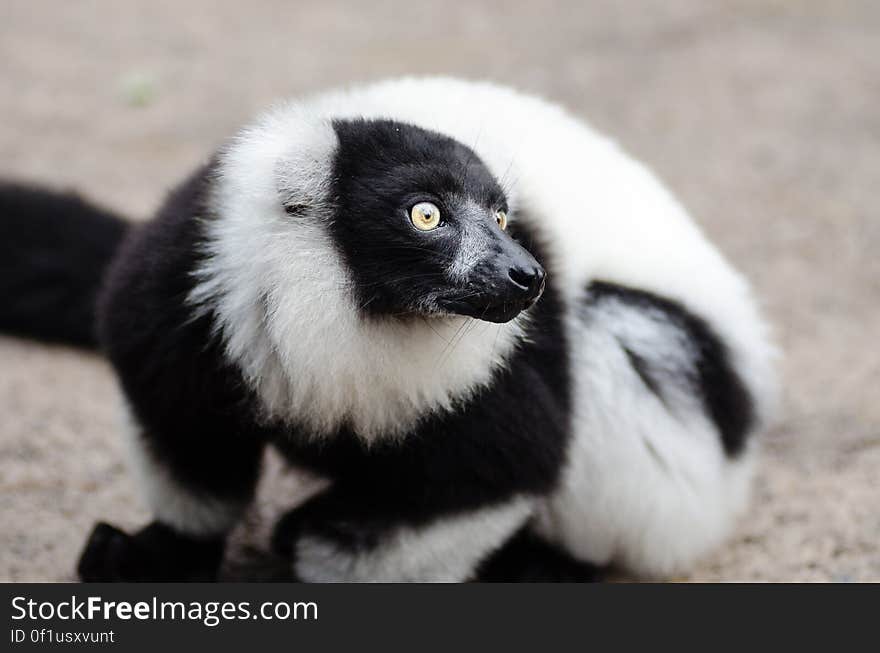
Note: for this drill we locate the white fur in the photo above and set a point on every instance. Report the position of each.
(648, 486)
(644, 486)
(287, 312)
(447, 550)
(170, 502)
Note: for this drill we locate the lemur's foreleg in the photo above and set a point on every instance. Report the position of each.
(197, 490)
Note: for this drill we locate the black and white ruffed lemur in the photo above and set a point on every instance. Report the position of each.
(508, 350)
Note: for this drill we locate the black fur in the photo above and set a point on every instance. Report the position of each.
(198, 419)
(156, 553)
(54, 248)
(724, 395)
(381, 170)
(197, 416)
(526, 558)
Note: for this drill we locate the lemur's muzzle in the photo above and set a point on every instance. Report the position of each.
(502, 286)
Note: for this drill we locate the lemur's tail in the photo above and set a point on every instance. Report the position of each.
(54, 249)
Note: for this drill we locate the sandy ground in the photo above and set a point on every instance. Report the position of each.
(763, 116)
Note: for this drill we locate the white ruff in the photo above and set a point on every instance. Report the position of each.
(284, 303)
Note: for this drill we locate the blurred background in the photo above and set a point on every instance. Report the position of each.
(762, 116)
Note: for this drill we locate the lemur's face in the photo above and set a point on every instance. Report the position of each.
(422, 225)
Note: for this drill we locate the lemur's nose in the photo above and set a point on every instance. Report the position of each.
(529, 279)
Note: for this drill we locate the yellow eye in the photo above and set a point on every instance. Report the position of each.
(501, 219)
(425, 216)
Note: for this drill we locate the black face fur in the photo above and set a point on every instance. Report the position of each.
(467, 265)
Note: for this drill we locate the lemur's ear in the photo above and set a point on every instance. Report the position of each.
(304, 172)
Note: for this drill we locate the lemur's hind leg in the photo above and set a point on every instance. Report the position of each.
(329, 539)
(661, 459)
(197, 489)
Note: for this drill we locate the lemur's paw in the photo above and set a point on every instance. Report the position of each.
(108, 556)
(155, 553)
